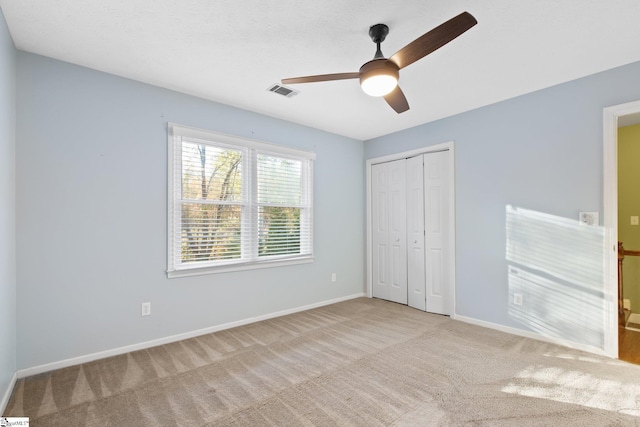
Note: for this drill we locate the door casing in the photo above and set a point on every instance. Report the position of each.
(610, 207)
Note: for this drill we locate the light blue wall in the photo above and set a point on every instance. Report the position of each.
(7, 211)
(540, 153)
(92, 216)
(91, 211)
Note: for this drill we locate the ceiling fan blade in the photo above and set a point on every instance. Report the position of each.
(433, 40)
(320, 78)
(397, 100)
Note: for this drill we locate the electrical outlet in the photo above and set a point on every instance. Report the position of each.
(517, 299)
(145, 309)
(590, 218)
(333, 277)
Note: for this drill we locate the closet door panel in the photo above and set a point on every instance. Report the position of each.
(380, 228)
(398, 230)
(436, 223)
(416, 285)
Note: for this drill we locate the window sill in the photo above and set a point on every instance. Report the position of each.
(199, 271)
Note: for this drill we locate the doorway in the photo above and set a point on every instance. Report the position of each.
(409, 259)
(613, 117)
(628, 223)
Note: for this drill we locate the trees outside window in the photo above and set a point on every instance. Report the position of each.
(236, 203)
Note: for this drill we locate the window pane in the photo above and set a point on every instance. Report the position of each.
(236, 204)
(210, 232)
(211, 173)
(279, 231)
(279, 180)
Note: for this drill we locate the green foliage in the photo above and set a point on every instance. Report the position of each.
(211, 231)
(212, 207)
(280, 231)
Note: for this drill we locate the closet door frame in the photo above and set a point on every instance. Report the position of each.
(446, 146)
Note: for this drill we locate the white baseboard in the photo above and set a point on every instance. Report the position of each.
(173, 338)
(532, 335)
(634, 318)
(7, 394)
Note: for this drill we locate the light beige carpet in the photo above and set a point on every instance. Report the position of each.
(363, 362)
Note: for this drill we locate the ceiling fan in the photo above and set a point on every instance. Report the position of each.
(379, 77)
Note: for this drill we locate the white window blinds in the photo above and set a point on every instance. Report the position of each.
(236, 203)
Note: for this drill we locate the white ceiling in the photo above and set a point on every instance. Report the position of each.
(231, 51)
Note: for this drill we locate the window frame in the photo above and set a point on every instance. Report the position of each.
(250, 149)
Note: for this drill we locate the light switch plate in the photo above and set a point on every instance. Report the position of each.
(590, 218)
(145, 308)
(634, 220)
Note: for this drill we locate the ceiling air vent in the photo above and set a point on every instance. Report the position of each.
(283, 90)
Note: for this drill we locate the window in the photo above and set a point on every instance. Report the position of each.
(236, 204)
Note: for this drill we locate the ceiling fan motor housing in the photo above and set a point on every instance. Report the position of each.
(378, 68)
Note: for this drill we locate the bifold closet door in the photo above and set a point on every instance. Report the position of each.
(389, 231)
(410, 223)
(437, 223)
(416, 284)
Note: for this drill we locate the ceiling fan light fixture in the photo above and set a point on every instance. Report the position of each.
(379, 77)
(379, 85)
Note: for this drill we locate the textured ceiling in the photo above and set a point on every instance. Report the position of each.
(232, 51)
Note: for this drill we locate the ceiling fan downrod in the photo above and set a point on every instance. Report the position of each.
(378, 33)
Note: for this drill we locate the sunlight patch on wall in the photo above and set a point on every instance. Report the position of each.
(557, 265)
